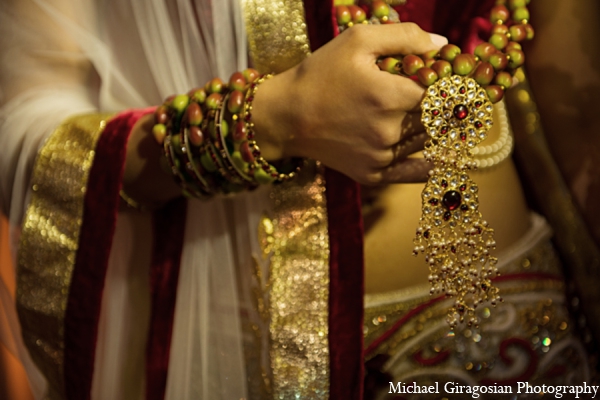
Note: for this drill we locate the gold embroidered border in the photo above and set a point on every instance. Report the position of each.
(49, 240)
(277, 34)
(300, 290)
(299, 271)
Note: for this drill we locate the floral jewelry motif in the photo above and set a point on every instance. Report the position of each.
(456, 240)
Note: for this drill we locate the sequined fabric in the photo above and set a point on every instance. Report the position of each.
(295, 236)
(49, 240)
(528, 338)
(299, 290)
(277, 34)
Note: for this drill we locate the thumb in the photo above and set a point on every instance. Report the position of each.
(404, 38)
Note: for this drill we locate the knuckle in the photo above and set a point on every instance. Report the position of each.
(382, 103)
(411, 28)
(358, 33)
(389, 139)
(371, 179)
(382, 159)
(412, 31)
(384, 137)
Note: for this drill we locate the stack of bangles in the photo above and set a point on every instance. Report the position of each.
(208, 138)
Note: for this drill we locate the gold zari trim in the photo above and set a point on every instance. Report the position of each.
(300, 290)
(299, 270)
(277, 34)
(49, 241)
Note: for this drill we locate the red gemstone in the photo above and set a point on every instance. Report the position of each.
(453, 249)
(433, 202)
(248, 117)
(464, 207)
(426, 234)
(436, 112)
(452, 200)
(478, 124)
(444, 183)
(463, 187)
(462, 90)
(478, 104)
(444, 130)
(460, 111)
(444, 94)
(463, 136)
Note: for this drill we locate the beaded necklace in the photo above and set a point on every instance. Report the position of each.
(492, 64)
(457, 114)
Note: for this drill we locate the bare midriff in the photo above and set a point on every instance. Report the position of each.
(391, 215)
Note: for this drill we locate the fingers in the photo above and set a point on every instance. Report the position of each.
(408, 146)
(406, 94)
(411, 124)
(404, 38)
(409, 170)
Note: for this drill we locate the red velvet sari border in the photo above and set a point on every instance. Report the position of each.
(101, 204)
(169, 233)
(346, 248)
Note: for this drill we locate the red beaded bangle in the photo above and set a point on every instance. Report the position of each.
(205, 133)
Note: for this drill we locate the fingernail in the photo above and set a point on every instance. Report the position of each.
(438, 40)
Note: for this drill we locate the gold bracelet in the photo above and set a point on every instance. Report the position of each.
(131, 203)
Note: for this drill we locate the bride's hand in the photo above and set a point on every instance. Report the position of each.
(338, 107)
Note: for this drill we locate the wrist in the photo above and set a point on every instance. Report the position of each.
(275, 118)
(144, 180)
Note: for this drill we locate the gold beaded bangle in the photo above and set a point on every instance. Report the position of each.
(262, 171)
(130, 202)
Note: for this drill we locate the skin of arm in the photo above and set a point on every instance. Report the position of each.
(336, 107)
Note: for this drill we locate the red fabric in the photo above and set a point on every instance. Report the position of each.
(320, 22)
(394, 328)
(101, 204)
(169, 230)
(422, 307)
(464, 22)
(346, 288)
(346, 249)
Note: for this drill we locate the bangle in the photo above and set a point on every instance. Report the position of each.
(208, 142)
(130, 202)
(262, 171)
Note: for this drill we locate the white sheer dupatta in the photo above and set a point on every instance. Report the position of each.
(64, 57)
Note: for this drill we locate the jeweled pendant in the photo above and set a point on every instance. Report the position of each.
(458, 240)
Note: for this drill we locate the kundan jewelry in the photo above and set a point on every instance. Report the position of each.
(457, 114)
